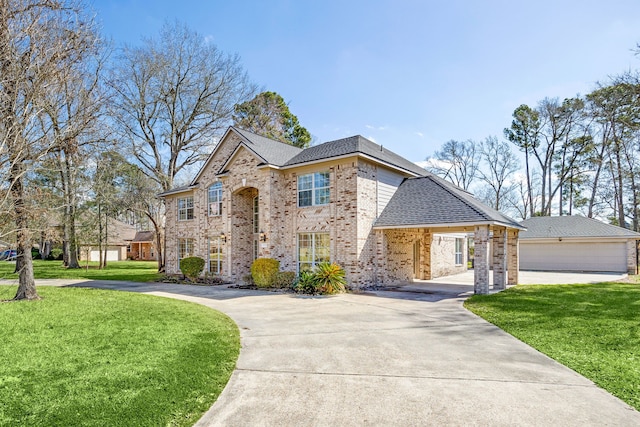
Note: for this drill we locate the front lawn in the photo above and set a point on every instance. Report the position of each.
(88, 357)
(592, 329)
(135, 271)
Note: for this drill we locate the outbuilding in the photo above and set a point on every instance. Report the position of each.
(577, 243)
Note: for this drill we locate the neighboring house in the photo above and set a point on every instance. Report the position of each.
(119, 237)
(381, 217)
(576, 243)
(142, 246)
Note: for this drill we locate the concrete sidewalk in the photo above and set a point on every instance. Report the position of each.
(385, 358)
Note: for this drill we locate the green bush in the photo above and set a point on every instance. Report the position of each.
(285, 279)
(306, 284)
(55, 254)
(326, 278)
(248, 280)
(329, 278)
(264, 272)
(192, 267)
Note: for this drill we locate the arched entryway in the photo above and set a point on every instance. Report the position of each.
(245, 230)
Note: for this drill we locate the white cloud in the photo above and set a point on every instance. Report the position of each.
(370, 138)
(376, 127)
(208, 39)
(420, 134)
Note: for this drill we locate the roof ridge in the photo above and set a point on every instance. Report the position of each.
(462, 199)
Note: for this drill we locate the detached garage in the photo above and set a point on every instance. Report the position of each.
(576, 243)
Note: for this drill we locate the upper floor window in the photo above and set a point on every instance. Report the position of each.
(313, 189)
(215, 199)
(185, 208)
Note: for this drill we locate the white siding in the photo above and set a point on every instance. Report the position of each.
(572, 256)
(388, 183)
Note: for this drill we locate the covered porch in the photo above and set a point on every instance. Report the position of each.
(413, 254)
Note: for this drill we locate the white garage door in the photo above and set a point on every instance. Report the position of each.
(567, 256)
(111, 255)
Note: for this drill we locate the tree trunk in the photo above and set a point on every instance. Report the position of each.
(27, 284)
(73, 244)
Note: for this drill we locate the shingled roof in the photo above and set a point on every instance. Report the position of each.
(575, 226)
(431, 201)
(271, 151)
(354, 145)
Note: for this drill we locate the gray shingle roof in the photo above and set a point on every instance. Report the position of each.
(353, 145)
(271, 151)
(542, 227)
(431, 200)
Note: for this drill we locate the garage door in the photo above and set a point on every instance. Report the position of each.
(111, 255)
(567, 256)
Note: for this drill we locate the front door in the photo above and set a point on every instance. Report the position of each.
(416, 259)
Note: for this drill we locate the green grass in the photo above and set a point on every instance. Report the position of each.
(88, 357)
(593, 329)
(135, 271)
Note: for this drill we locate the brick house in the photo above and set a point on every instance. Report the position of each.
(381, 217)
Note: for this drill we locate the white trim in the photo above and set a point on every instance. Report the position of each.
(348, 155)
(235, 152)
(177, 191)
(584, 239)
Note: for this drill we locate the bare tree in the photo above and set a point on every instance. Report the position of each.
(39, 40)
(500, 165)
(173, 96)
(457, 161)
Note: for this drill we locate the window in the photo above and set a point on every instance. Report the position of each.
(313, 248)
(256, 215)
(459, 249)
(185, 208)
(215, 255)
(215, 199)
(313, 189)
(185, 249)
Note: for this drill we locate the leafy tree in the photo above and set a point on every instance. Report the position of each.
(40, 42)
(268, 115)
(524, 133)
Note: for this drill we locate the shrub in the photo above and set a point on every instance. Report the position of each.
(264, 272)
(285, 279)
(55, 253)
(306, 283)
(329, 278)
(192, 267)
(247, 279)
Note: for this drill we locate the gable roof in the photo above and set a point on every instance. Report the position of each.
(431, 201)
(554, 227)
(144, 236)
(270, 151)
(355, 145)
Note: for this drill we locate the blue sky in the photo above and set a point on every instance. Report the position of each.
(408, 74)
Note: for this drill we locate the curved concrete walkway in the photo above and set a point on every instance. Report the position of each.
(389, 358)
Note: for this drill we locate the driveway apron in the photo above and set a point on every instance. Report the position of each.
(386, 358)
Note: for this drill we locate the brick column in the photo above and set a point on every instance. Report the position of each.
(499, 258)
(513, 261)
(481, 260)
(425, 267)
(381, 258)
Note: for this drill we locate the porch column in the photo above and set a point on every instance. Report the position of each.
(499, 258)
(513, 257)
(481, 260)
(381, 257)
(425, 259)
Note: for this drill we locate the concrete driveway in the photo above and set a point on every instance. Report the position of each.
(385, 358)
